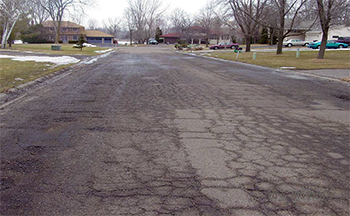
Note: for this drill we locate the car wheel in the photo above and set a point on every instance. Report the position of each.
(341, 46)
(289, 45)
(215, 48)
(232, 47)
(307, 44)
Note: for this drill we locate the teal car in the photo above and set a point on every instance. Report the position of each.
(330, 44)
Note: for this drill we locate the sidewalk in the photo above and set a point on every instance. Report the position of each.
(330, 73)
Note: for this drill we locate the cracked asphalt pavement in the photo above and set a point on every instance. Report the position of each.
(147, 131)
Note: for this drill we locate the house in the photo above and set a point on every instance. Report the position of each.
(69, 31)
(195, 35)
(306, 31)
(171, 38)
(333, 33)
(98, 37)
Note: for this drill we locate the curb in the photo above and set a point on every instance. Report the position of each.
(281, 70)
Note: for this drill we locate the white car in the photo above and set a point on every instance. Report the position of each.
(17, 42)
(295, 42)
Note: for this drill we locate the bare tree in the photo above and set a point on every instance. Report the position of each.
(206, 19)
(38, 13)
(92, 24)
(287, 9)
(57, 8)
(130, 25)
(246, 13)
(142, 16)
(10, 11)
(180, 20)
(331, 12)
(112, 26)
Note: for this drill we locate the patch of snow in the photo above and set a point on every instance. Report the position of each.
(124, 42)
(61, 60)
(19, 79)
(103, 51)
(88, 45)
(95, 59)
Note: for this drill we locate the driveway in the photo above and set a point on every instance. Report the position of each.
(146, 131)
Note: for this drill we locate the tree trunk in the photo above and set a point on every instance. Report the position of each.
(247, 39)
(280, 41)
(4, 35)
(322, 50)
(271, 35)
(57, 35)
(130, 37)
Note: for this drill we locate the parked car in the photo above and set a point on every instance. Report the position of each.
(343, 40)
(330, 44)
(225, 45)
(17, 42)
(153, 42)
(295, 42)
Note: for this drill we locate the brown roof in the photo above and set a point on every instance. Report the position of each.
(64, 24)
(93, 33)
(172, 35)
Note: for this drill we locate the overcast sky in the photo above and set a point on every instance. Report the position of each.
(105, 9)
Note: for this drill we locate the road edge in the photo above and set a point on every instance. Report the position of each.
(264, 67)
(14, 94)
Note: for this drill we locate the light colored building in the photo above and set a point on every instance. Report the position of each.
(307, 32)
(333, 33)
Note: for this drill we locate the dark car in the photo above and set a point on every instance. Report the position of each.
(343, 40)
(225, 45)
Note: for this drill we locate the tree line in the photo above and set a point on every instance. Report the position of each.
(144, 19)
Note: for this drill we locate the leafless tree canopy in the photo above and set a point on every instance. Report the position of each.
(180, 20)
(92, 24)
(142, 16)
(207, 20)
(112, 26)
(38, 13)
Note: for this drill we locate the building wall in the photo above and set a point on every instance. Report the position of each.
(99, 40)
(171, 40)
(66, 34)
(300, 37)
(333, 33)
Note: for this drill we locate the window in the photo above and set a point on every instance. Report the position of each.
(75, 29)
(75, 37)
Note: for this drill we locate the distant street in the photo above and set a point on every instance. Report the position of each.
(147, 131)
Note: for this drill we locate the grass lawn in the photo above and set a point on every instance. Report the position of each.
(29, 70)
(66, 49)
(339, 59)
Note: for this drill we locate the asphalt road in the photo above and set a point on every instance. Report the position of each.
(146, 131)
